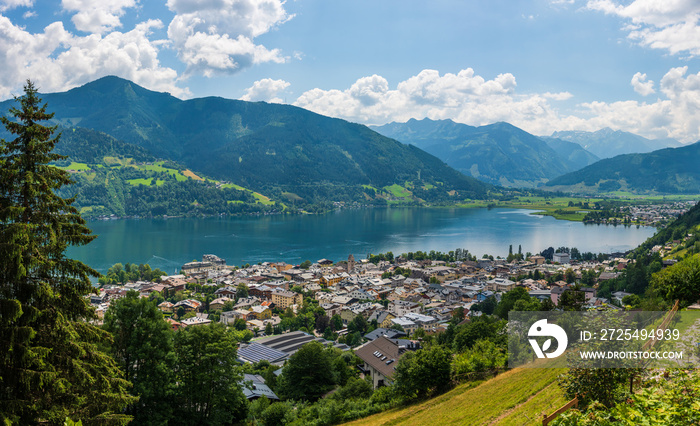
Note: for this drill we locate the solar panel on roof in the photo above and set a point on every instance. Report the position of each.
(256, 352)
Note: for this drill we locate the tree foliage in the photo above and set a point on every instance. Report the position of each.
(51, 366)
(680, 281)
(207, 376)
(424, 372)
(308, 374)
(143, 347)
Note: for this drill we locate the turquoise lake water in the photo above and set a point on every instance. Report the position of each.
(168, 243)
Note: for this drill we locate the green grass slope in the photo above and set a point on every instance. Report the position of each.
(516, 397)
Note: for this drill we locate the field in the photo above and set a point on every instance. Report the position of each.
(398, 191)
(516, 397)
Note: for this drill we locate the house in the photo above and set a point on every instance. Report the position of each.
(198, 320)
(555, 294)
(254, 387)
(343, 300)
(406, 324)
(166, 306)
(331, 309)
(262, 291)
(425, 322)
(401, 307)
(218, 304)
(284, 299)
(382, 317)
(541, 294)
(537, 260)
(386, 332)
(347, 314)
(500, 284)
(261, 312)
(174, 325)
(560, 258)
(190, 305)
(360, 294)
(333, 279)
(175, 283)
(227, 291)
(483, 295)
(380, 357)
(227, 318)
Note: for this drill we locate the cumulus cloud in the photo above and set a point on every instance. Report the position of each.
(468, 98)
(265, 90)
(671, 25)
(641, 85)
(217, 36)
(11, 4)
(97, 16)
(58, 60)
(465, 97)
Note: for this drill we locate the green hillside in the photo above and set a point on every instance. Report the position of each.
(666, 171)
(499, 153)
(117, 178)
(516, 397)
(270, 148)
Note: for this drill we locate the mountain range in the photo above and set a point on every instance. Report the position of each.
(287, 152)
(299, 158)
(608, 143)
(499, 153)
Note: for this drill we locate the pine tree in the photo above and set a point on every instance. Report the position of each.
(50, 364)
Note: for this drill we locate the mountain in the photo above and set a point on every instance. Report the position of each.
(284, 150)
(499, 153)
(608, 143)
(665, 171)
(572, 153)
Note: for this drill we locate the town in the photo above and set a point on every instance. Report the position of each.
(383, 306)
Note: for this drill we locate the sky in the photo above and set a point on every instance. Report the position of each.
(542, 65)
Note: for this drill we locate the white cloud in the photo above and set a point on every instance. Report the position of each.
(28, 14)
(216, 36)
(58, 60)
(97, 16)
(266, 90)
(464, 96)
(671, 25)
(641, 85)
(469, 98)
(561, 96)
(11, 4)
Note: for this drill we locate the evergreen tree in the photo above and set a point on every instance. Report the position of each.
(143, 347)
(50, 364)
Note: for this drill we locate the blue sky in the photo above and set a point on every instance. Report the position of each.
(542, 65)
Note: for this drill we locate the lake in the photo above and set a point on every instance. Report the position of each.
(169, 243)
